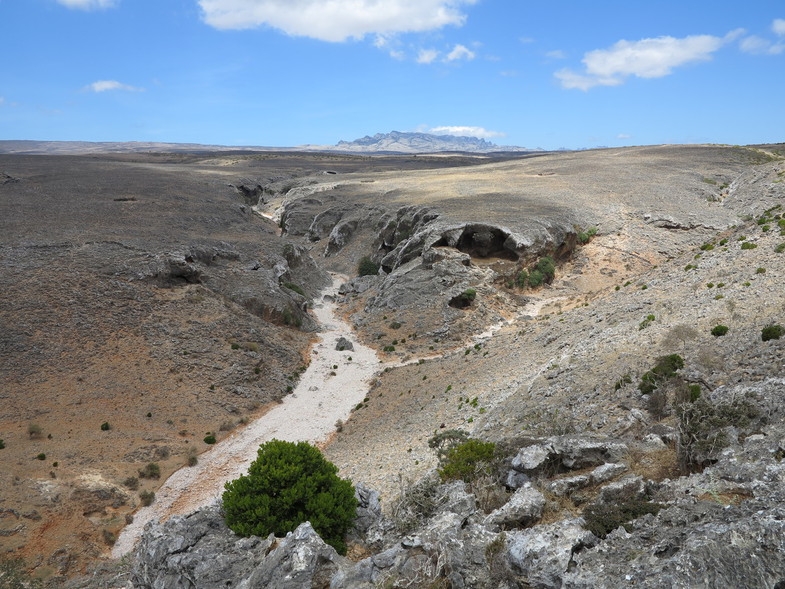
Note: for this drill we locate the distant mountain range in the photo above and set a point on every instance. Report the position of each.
(398, 142)
(394, 142)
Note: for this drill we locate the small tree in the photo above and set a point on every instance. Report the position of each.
(286, 485)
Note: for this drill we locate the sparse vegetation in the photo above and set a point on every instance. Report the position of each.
(602, 518)
(367, 267)
(295, 288)
(467, 460)
(34, 431)
(147, 497)
(719, 330)
(748, 245)
(150, 471)
(286, 485)
(771, 332)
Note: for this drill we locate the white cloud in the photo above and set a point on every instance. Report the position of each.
(335, 20)
(647, 58)
(459, 52)
(758, 45)
(623, 136)
(459, 131)
(110, 85)
(556, 54)
(88, 4)
(427, 55)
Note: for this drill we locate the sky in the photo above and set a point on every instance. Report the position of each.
(557, 74)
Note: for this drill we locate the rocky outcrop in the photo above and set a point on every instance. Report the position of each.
(719, 528)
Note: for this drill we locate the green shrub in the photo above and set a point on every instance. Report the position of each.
(748, 245)
(14, 575)
(395, 325)
(209, 439)
(522, 279)
(105, 427)
(702, 426)
(467, 461)
(536, 278)
(719, 330)
(287, 485)
(707, 247)
(602, 518)
(131, 482)
(780, 248)
(2, 444)
(772, 332)
(367, 267)
(151, 471)
(665, 368)
(147, 497)
(547, 267)
(41, 456)
(295, 288)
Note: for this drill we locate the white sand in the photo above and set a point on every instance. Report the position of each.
(308, 414)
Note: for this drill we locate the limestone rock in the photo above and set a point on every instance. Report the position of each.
(524, 508)
(343, 344)
(543, 554)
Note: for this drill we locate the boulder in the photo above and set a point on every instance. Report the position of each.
(302, 559)
(342, 344)
(524, 508)
(543, 554)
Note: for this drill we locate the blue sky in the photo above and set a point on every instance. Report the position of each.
(551, 74)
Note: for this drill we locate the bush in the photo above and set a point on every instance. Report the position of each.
(467, 461)
(105, 427)
(147, 497)
(522, 279)
(772, 332)
(287, 485)
(41, 456)
(702, 429)
(601, 519)
(209, 439)
(719, 330)
(547, 267)
(665, 368)
(14, 575)
(748, 245)
(367, 267)
(34, 430)
(780, 248)
(151, 471)
(2, 444)
(536, 278)
(132, 483)
(295, 288)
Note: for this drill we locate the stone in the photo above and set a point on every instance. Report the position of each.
(524, 508)
(607, 472)
(301, 559)
(566, 485)
(543, 554)
(342, 344)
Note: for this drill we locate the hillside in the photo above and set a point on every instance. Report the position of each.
(144, 291)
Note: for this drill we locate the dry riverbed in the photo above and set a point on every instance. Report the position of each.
(334, 382)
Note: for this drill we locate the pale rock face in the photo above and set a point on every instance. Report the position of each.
(524, 508)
